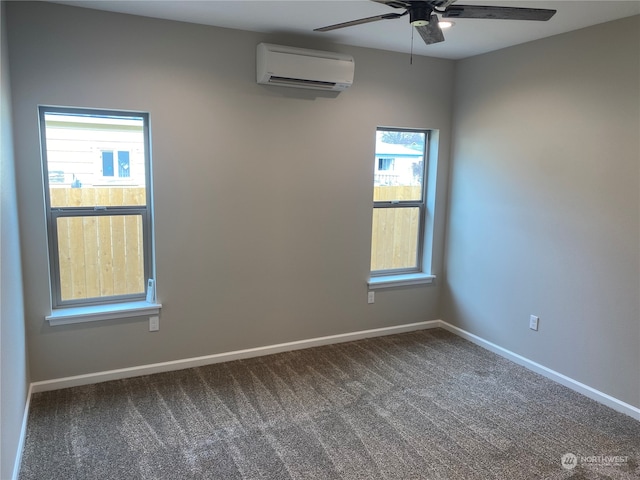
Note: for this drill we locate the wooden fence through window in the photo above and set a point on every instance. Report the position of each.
(394, 242)
(100, 255)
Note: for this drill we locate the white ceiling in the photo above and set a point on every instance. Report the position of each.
(467, 38)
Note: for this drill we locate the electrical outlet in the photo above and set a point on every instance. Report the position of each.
(371, 297)
(154, 324)
(533, 322)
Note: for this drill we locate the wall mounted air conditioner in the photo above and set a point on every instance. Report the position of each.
(303, 68)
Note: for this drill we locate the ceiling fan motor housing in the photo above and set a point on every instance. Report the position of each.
(419, 14)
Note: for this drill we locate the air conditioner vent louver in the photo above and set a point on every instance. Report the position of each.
(303, 68)
(298, 81)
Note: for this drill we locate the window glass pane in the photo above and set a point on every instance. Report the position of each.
(107, 164)
(399, 165)
(385, 163)
(395, 238)
(100, 256)
(83, 168)
(123, 164)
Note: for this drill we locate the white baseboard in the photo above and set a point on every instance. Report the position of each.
(585, 390)
(23, 436)
(98, 377)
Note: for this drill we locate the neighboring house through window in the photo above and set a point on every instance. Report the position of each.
(98, 204)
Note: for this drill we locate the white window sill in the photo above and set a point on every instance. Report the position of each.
(93, 313)
(390, 281)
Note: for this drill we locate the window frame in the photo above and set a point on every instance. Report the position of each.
(420, 204)
(53, 213)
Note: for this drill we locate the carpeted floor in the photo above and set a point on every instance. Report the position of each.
(421, 405)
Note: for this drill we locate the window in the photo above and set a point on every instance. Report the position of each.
(99, 234)
(399, 206)
(385, 163)
(107, 164)
(123, 164)
(121, 169)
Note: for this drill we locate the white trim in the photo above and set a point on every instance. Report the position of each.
(585, 390)
(403, 280)
(91, 378)
(107, 311)
(23, 436)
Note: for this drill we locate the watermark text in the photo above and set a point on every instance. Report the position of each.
(570, 461)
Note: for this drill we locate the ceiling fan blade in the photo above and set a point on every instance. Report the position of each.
(387, 16)
(431, 33)
(502, 13)
(394, 3)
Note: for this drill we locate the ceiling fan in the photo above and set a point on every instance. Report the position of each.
(423, 15)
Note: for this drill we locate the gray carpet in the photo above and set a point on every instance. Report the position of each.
(421, 405)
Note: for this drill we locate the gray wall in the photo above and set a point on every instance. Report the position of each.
(14, 376)
(262, 195)
(544, 204)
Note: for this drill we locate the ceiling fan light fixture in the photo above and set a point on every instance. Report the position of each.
(444, 24)
(419, 15)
